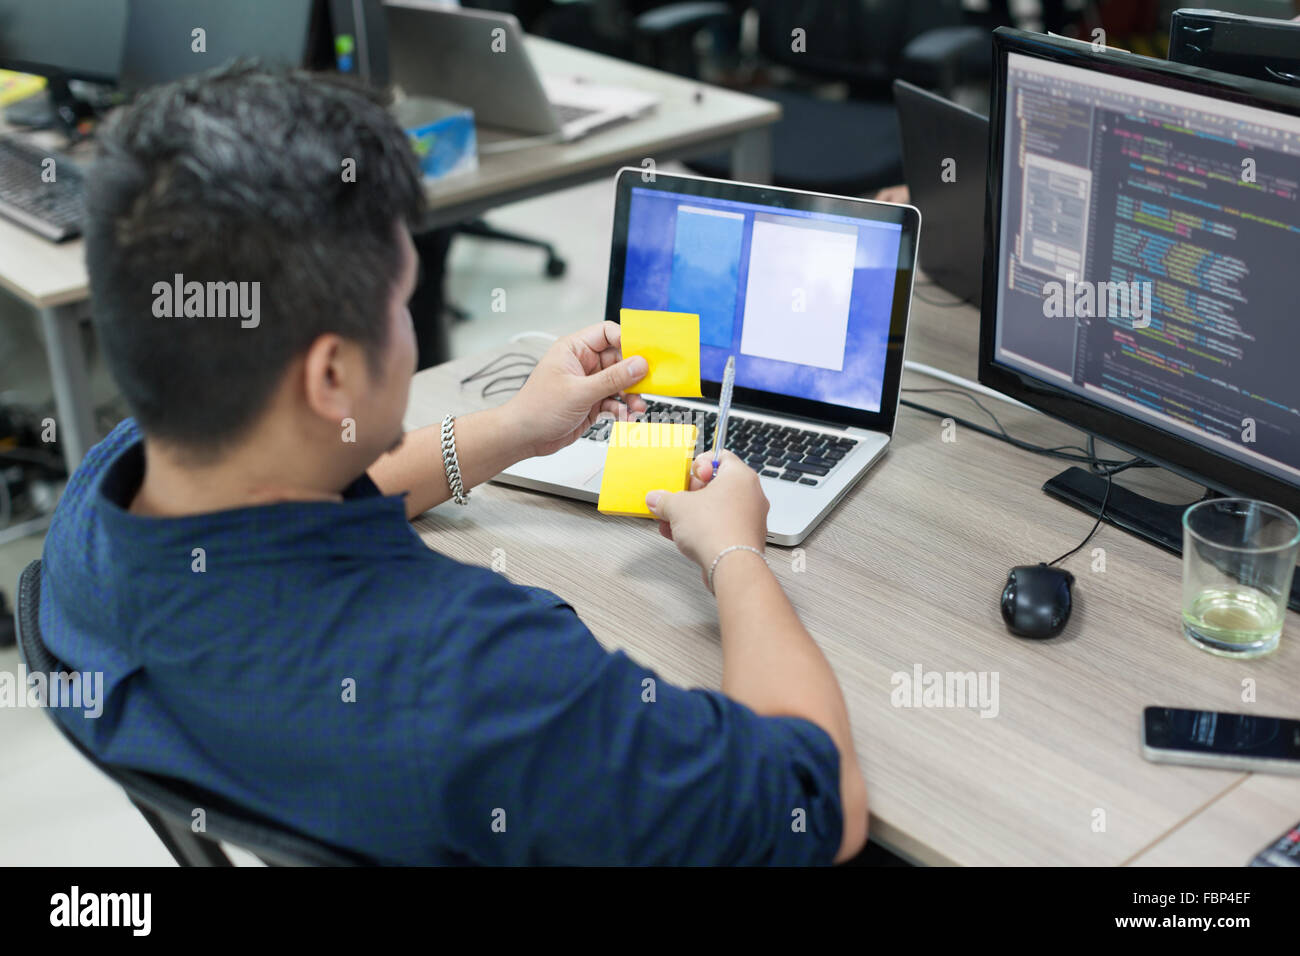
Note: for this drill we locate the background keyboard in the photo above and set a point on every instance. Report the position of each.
(774, 451)
(54, 210)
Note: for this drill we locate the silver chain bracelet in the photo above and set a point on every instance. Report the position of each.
(451, 463)
(726, 551)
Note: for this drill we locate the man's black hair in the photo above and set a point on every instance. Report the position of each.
(239, 175)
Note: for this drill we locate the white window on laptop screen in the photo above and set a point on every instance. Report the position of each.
(798, 291)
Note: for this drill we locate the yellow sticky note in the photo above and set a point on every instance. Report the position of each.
(670, 342)
(644, 457)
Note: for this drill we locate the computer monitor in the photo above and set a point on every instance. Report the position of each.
(1261, 47)
(161, 45)
(64, 40)
(74, 39)
(1142, 249)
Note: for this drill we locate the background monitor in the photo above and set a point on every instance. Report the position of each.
(61, 40)
(1143, 239)
(159, 43)
(1261, 47)
(72, 39)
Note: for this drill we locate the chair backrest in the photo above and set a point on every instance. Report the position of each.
(168, 805)
(859, 41)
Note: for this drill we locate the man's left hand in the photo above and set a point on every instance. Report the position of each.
(579, 377)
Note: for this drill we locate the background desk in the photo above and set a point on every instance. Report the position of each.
(691, 119)
(907, 571)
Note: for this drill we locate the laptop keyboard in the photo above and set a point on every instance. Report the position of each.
(785, 452)
(566, 113)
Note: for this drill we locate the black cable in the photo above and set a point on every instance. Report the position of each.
(493, 368)
(1090, 451)
(1098, 466)
(1110, 474)
(1060, 452)
(1101, 516)
(488, 391)
(966, 395)
(521, 358)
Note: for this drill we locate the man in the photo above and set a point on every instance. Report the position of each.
(237, 558)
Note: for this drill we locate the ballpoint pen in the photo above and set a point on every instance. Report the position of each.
(724, 409)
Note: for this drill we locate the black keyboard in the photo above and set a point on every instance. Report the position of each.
(52, 209)
(777, 451)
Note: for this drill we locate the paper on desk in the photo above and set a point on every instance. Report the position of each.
(18, 86)
(670, 343)
(644, 457)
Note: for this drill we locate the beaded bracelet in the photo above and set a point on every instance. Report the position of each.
(724, 552)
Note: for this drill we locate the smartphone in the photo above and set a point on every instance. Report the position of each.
(1284, 851)
(1206, 738)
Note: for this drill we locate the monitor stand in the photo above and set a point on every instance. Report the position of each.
(1154, 521)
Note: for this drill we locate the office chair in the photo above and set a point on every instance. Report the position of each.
(555, 266)
(165, 803)
(846, 145)
(429, 305)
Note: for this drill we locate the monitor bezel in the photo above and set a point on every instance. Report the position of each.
(907, 217)
(1183, 456)
(61, 73)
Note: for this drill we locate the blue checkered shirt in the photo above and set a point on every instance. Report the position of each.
(317, 664)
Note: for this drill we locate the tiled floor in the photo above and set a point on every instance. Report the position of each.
(55, 809)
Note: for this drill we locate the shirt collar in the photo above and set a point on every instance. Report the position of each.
(365, 522)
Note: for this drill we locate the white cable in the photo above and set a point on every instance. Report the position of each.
(948, 377)
(525, 335)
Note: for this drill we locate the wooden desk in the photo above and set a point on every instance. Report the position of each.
(907, 572)
(692, 118)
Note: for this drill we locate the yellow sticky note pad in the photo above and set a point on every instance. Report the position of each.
(670, 342)
(644, 457)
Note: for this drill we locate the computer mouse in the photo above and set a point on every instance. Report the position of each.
(1036, 602)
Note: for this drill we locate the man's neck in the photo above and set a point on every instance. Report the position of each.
(245, 477)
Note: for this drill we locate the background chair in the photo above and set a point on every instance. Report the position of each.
(847, 144)
(167, 804)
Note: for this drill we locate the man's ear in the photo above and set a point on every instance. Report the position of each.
(332, 381)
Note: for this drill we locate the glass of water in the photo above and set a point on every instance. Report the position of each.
(1238, 560)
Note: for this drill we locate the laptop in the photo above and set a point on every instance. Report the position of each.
(809, 292)
(935, 130)
(478, 58)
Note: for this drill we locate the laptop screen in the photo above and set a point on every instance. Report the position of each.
(802, 298)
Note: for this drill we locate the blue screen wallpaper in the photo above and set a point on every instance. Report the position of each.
(693, 254)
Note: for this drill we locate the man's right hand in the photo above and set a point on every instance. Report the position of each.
(716, 512)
